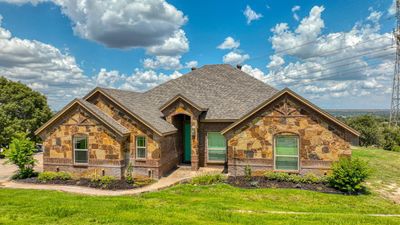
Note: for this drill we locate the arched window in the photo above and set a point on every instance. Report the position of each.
(286, 152)
(80, 149)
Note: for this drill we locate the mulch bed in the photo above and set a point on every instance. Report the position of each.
(115, 185)
(262, 182)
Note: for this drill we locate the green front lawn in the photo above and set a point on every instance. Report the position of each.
(385, 166)
(218, 204)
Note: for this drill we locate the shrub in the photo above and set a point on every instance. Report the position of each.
(48, 176)
(391, 138)
(208, 179)
(104, 181)
(128, 176)
(20, 153)
(309, 178)
(247, 172)
(348, 175)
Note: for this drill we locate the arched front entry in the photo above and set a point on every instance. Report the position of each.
(184, 138)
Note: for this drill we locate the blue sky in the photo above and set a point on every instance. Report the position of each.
(61, 49)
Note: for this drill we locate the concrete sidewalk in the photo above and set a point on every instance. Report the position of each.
(178, 176)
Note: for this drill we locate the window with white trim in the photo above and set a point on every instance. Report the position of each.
(80, 150)
(216, 146)
(286, 152)
(140, 147)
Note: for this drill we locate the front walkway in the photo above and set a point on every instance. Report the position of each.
(180, 175)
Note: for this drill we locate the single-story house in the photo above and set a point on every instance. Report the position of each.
(214, 116)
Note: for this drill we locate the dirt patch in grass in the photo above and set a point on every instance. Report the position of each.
(83, 182)
(262, 182)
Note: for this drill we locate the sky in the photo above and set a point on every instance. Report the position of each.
(338, 54)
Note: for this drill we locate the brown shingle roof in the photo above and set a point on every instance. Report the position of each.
(227, 92)
(106, 119)
(103, 116)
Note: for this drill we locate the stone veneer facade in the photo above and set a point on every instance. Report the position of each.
(320, 141)
(251, 142)
(105, 150)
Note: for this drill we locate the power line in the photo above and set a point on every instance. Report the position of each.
(327, 68)
(335, 73)
(319, 55)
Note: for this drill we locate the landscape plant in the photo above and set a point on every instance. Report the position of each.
(348, 175)
(247, 172)
(308, 178)
(48, 176)
(208, 179)
(20, 153)
(103, 181)
(128, 176)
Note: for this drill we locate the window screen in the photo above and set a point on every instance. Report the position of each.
(80, 149)
(141, 147)
(286, 153)
(216, 146)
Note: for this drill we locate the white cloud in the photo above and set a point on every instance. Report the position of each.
(254, 72)
(229, 43)
(275, 61)
(56, 74)
(124, 23)
(374, 16)
(251, 15)
(167, 63)
(175, 45)
(332, 66)
(235, 57)
(42, 67)
(294, 10)
(139, 80)
(143, 80)
(392, 8)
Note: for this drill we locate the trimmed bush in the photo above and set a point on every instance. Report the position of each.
(208, 179)
(48, 176)
(104, 181)
(309, 178)
(348, 175)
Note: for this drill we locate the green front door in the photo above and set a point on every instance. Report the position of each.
(187, 142)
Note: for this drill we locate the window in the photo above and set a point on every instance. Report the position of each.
(286, 152)
(216, 146)
(140, 147)
(80, 150)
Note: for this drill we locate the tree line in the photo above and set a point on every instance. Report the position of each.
(375, 131)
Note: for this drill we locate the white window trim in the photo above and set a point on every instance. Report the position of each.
(81, 150)
(137, 147)
(208, 150)
(297, 156)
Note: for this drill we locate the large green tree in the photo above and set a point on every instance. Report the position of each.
(369, 128)
(21, 110)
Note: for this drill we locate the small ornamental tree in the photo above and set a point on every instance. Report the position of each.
(20, 153)
(348, 175)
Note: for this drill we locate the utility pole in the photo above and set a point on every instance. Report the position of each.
(395, 105)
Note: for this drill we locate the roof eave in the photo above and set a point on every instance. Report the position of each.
(298, 97)
(180, 96)
(71, 104)
(94, 91)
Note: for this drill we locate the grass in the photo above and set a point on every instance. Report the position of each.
(213, 204)
(385, 166)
